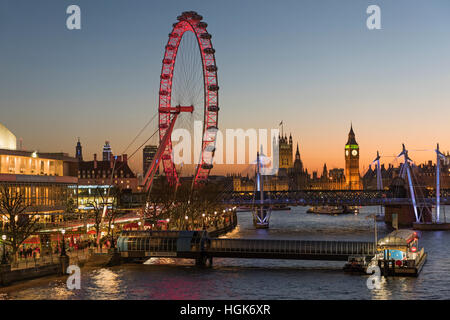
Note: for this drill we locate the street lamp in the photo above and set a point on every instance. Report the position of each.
(139, 224)
(167, 225)
(4, 250)
(186, 218)
(63, 247)
(112, 236)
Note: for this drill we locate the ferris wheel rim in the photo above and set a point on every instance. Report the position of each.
(190, 21)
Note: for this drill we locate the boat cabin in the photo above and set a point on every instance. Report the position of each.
(399, 253)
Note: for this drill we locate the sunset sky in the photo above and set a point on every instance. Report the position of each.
(312, 64)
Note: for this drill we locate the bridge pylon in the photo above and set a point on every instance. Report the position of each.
(260, 210)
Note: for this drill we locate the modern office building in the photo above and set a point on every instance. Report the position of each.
(148, 154)
(107, 152)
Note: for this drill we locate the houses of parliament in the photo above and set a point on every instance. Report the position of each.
(293, 176)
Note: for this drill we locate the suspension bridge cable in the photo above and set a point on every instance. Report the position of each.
(137, 149)
(140, 132)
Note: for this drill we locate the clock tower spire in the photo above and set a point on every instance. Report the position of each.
(352, 176)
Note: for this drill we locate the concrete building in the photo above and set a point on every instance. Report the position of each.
(46, 180)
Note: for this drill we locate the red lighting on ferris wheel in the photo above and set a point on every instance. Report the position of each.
(189, 21)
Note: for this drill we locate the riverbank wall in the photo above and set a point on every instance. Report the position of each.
(58, 267)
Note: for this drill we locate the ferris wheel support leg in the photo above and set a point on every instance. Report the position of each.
(148, 180)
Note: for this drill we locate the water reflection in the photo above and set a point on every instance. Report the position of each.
(105, 284)
(169, 278)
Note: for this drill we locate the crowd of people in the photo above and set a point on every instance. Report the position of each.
(25, 253)
(70, 246)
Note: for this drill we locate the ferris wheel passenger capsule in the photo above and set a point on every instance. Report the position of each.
(209, 50)
(213, 108)
(205, 36)
(212, 68)
(207, 166)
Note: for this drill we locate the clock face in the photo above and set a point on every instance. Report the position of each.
(354, 153)
(346, 152)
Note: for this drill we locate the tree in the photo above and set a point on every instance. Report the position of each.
(99, 206)
(71, 213)
(20, 225)
(96, 214)
(111, 214)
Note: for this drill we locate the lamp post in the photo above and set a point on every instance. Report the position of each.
(203, 216)
(139, 224)
(186, 218)
(63, 246)
(4, 250)
(112, 236)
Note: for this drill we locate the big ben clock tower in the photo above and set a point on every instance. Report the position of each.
(352, 177)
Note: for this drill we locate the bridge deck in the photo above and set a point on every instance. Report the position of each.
(288, 249)
(150, 246)
(329, 197)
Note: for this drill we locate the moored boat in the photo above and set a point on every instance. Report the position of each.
(399, 254)
(332, 210)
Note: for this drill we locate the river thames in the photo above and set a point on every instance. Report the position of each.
(259, 279)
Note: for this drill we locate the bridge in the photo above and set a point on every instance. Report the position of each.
(328, 197)
(141, 245)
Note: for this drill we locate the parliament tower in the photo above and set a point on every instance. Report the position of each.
(352, 177)
(285, 152)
